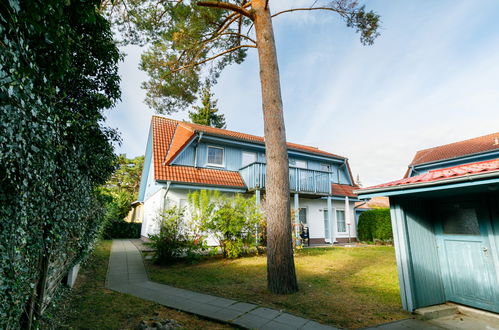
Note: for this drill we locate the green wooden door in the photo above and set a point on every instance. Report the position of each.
(466, 258)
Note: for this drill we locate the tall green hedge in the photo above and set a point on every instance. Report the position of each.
(122, 229)
(375, 225)
(58, 73)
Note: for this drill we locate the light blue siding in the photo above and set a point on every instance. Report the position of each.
(428, 285)
(186, 157)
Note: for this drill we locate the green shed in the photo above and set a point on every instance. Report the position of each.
(446, 234)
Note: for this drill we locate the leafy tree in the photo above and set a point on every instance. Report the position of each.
(207, 113)
(190, 39)
(58, 72)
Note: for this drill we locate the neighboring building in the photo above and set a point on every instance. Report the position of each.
(183, 157)
(136, 213)
(445, 218)
(371, 204)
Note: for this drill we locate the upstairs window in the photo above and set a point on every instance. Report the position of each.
(298, 163)
(326, 167)
(248, 158)
(215, 156)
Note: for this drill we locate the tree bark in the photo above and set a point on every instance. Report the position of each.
(281, 275)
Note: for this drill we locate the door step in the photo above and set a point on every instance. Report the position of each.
(448, 309)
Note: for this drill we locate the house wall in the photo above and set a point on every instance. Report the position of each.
(315, 213)
(233, 160)
(152, 209)
(315, 217)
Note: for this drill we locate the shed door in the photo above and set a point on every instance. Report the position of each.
(465, 255)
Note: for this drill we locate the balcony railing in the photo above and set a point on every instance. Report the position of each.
(300, 179)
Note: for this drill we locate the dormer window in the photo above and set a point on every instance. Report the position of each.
(215, 156)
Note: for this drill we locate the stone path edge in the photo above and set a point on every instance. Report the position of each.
(127, 274)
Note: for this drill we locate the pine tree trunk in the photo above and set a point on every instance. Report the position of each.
(281, 276)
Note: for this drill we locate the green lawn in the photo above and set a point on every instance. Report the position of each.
(343, 287)
(91, 306)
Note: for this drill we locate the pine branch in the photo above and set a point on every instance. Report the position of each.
(308, 9)
(212, 57)
(226, 5)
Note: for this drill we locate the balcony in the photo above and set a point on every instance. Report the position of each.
(300, 180)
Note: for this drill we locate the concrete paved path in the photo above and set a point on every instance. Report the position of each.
(127, 274)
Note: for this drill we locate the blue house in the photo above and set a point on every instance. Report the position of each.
(183, 157)
(445, 218)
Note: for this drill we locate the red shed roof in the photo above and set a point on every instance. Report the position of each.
(445, 173)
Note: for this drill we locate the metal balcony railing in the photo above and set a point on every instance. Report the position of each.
(300, 179)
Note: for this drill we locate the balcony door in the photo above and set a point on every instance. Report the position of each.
(248, 158)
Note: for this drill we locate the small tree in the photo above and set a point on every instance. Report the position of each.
(206, 114)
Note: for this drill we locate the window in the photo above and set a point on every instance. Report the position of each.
(340, 221)
(326, 167)
(248, 158)
(215, 156)
(298, 163)
(459, 220)
(302, 215)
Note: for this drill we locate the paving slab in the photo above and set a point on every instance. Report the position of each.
(127, 274)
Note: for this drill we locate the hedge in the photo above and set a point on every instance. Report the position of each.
(122, 229)
(375, 225)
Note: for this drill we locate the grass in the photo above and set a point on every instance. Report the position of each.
(91, 306)
(343, 287)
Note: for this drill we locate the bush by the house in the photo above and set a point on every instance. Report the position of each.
(375, 225)
(122, 229)
(174, 240)
(231, 220)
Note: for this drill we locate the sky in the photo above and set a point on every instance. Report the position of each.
(431, 78)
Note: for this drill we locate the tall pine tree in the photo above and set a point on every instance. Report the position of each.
(206, 114)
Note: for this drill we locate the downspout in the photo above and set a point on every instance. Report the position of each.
(200, 136)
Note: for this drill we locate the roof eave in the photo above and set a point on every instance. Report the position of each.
(383, 191)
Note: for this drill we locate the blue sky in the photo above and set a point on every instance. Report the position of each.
(431, 78)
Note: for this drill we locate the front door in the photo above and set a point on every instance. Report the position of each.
(466, 258)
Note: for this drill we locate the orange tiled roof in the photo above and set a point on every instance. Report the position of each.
(253, 138)
(374, 203)
(343, 190)
(168, 138)
(457, 149)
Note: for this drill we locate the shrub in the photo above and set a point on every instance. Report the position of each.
(375, 225)
(173, 241)
(122, 229)
(231, 220)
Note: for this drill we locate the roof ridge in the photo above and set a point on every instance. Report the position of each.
(242, 135)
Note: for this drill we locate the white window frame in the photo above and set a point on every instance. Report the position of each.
(223, 156)
(329, 166)
(344, 219)
(248, 153)
(305, 165)
(306, 215)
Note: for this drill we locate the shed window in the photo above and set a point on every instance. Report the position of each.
(340, 221)
(248, 158)
(216, 156)
(459, 221)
